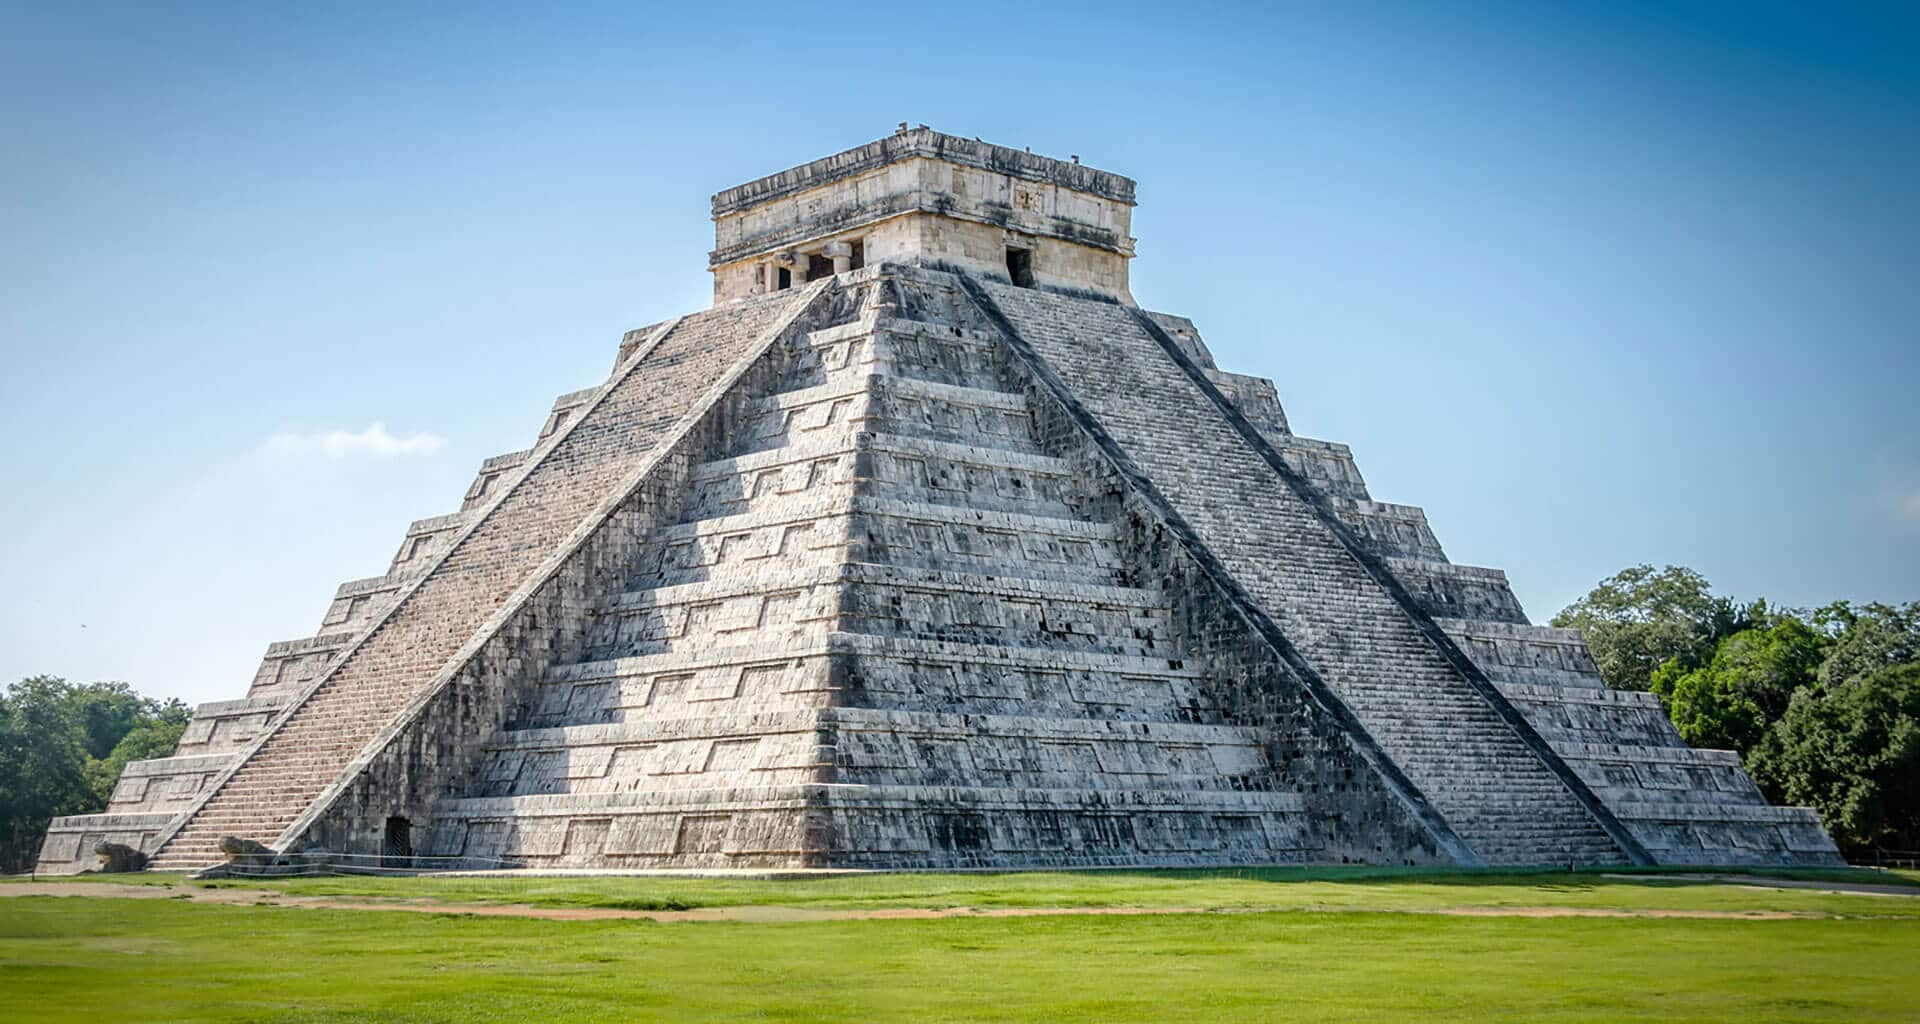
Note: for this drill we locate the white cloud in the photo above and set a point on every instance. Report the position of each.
(1906, 507)
(339, 444)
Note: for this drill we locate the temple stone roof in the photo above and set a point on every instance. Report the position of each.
(933, 145)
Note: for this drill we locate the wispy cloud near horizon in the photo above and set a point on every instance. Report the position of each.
(374, 442)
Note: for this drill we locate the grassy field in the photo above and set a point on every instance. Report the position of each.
(1326, 945)
(1314, 888)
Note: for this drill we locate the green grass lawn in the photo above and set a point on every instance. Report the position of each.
(1322, 955)
(1310, 888)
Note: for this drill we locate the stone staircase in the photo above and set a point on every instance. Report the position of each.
(887, 509)
(1494, 791)
(308, 748)
(1683, 806)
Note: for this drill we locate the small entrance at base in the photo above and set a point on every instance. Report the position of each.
(396, 849)
(1020, 266)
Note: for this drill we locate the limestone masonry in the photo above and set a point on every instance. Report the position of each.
(925, 547)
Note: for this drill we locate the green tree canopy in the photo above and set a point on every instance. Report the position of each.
(156, 736)
(1640, 618)
(1853, 751)
(1873, 636)
(62, 747)
(1824, 707)
(1729, 702)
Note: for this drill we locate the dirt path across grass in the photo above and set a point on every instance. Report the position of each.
(773, 914)
(1763, 882)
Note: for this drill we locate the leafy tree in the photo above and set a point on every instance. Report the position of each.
(61, 748)
(43, 761)
(1867, 638)
(156, 736)
(1640, 618)
(1729, 702)
(1853, 751)
(106, 712)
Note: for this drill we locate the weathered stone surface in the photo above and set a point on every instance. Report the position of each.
(239, 850)
(950, 558)
(118, 858)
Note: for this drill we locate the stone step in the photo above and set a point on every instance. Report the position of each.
(903, 348)
(846, 526)
(883, 465)
(780, 606)
(890, 404)
(992, 826)
(872, 747)
(881, 672)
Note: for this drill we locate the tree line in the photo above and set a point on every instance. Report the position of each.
(1823, 705)
(62, 746)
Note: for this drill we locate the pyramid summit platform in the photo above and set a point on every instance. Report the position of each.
(926, 547)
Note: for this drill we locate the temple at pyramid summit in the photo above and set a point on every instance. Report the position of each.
(927, 547)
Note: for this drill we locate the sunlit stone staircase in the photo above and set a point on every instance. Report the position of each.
(883, 597)
(408, 649)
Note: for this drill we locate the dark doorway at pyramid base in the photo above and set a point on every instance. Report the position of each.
(396, 847)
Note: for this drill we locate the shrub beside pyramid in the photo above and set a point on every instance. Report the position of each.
(926, 547)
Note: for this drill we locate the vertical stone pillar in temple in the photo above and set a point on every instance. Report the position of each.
(841, 253)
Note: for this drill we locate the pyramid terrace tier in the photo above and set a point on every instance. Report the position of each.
(1450, 590)
(1688, 806)
(166, 784)
(885, 465)
(1259, 401)
(856, 670)
(1586, 714)
(873, 747)
(781, 606)
(70, 841)
(227, 726)
(892, 405)
(822, 528)
(1327, 465)
(493, 477)
(1389, 530)
(290, 666)
(1706, 832)
(880, 827)
(1629, 772)
(1525, 655)
(895, 346)
(357, 603)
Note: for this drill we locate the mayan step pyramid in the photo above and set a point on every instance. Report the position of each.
(926, 547)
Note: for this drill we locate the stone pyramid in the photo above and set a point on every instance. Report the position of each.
(926, 547)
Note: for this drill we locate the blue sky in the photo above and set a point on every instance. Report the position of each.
(1595, 285)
